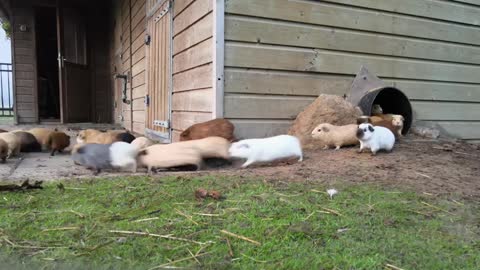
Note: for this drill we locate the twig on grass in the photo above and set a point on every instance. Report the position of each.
(179, 260)
(61, 229)
(391, 266)
(332, 211)
(186, 216)
(253, 259)
(207, 215)
(193, 256)
(241, 237)
(230, 250)
(438, 208)
(157, 235)
(145, 219)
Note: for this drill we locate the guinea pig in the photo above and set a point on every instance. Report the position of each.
(42, 135)
(375, 138)
(217, 127)
(13, 143)
(86, 134)
(125, 137)
(210, 147)
(377, 109)
(109, 137)
(267, 149)
(388, 124)
(123, 156)
(397, 122)
(338, 136)
(58, 141)
(28, 142)
(168, 156)
(93, 156)
(3, 151)
(3, 130)
(142, 142)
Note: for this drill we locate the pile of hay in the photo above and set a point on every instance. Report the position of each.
(325, 109)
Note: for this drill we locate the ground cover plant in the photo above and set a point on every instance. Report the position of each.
(145, 223)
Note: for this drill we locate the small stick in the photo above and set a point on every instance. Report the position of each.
(193, 256)
(391, 266)
(77, 213)
(424, 175)
(146, 219)
(331, 211)
(457, 202)
(241, 237)
(207, 215)
(230, 250)
(180, 260)
(309, 216)
(61, 229)
(186, 216)
(253, 259)
(438, 208)
(157, 235)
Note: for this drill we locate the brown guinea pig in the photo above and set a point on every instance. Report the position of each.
(217, 127)
(28, 142)
(3, 151)
(42, 135)
(57, 142)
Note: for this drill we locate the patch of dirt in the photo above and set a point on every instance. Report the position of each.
(435, 167)
(325, 109)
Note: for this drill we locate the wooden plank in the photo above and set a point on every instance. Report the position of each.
(139, 128)
(138, 80)
(196, 78)
(441, 10)
(24, 90)
(24, 84)
(25, 98)
(138, 104)
(24, 51)
(139, 92)
(24, 59)
(139, 17)
(195, 34)
(198, 55)
(471, 2)
(191, 14)
(138, 55)
(246, 129)
(139, 30)
(264, 106)
(138, 67)
(353, 18)
(197, 101)
(26, 120)
(180, 5)
(138, 44)
(425, 110)
(139, 7)
(296, 59)
(176, 135)
(183, 120)
(139, 116)
(252, 81)
(23, 44)
(463, 130)
(24, 67)
(25, 75)
(436, 91)
(294, 34)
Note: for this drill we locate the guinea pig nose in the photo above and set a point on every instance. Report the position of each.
(359, 133)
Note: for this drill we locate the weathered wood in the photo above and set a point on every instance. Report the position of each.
(432, 111)
(464, 130)
(287, 58)
(25, 98)
(195, 34)
(196, 100)
(198, 55)
(252, 81)
(246, 129)
(138, 43)
(24, 67)
(139, 67)
(139, 30)
(25, 75)
(341, 16)
(472, 2)
(138, 127)
(264, 106)
(139, 105)
(139, 7)
(441, 10)
(301, 35)
(196, 78)
(138, 80)
(180, 5)
(24, 52)
(191, 14)
(176, 135)
(183, 120)
(139, 92)
(138, 55)
(139, 17)
(25, 84)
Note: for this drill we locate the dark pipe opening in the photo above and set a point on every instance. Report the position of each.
(392, 101)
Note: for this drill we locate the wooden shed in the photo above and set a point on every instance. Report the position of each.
(158, 66)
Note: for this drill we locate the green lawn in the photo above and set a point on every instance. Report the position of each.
(283, 226)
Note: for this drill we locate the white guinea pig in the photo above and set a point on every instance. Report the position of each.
(267, 149)
(124, 156)
(375, 138)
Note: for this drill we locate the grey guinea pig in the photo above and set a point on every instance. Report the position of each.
(93, 156)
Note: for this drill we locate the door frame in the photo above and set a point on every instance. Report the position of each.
(151, 11)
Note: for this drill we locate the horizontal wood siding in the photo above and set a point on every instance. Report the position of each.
(193, 48)
(280, 55)
(24, 66)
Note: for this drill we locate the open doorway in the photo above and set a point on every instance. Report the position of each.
(47, 64)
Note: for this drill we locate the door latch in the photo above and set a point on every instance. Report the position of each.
(147, 100)
(148, 38)
(124, 90)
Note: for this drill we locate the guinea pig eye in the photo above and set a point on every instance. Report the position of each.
(364, 130)
(319, 130)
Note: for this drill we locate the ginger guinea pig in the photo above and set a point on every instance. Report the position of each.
(217, 127)
(338, 136)
(58, 141)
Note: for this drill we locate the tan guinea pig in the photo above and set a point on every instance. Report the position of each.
(210, 147)
(57, 142)
(168, 156)
(3, 151)
(42, 135)
(338, 136)
(142, 142)
(13, 143)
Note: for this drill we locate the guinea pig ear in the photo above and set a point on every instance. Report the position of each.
(370, 128)
(402, 118)
(325, 129)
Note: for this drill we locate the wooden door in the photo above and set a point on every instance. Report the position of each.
(75, 93)
(159, 70)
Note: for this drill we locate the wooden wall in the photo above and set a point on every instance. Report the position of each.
(193, 48)
(24, 65)
(280, 55)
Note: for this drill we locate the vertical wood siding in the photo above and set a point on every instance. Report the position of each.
(280, 55)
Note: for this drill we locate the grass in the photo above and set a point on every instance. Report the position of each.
(296, 226)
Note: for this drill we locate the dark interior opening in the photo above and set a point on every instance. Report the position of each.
(392, 101)
(47, 65)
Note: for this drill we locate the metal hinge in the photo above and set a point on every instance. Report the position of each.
(147, 100)
(148, 38)
(159, 123)
(162, 13)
